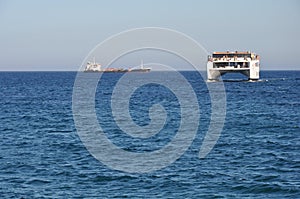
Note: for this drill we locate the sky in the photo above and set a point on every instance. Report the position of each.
(58, 35)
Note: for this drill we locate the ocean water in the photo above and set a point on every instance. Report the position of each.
(256, 156)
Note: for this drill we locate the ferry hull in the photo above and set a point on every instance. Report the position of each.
(118, 71)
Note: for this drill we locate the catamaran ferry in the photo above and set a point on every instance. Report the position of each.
(220, 63)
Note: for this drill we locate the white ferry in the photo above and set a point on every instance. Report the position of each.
(92, 67)
(220, 63)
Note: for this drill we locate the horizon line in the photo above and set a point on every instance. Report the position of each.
(116, 72)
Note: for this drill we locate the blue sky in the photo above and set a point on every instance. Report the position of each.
(57, 35)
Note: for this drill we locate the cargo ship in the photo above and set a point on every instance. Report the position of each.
(96, 67)
(220, 63)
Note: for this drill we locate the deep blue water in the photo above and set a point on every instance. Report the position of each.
(256, 156)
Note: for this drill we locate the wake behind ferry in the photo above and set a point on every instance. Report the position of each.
(96, 67)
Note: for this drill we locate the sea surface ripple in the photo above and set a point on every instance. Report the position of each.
(257, 155)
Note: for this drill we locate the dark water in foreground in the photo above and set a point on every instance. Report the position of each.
(257, 155)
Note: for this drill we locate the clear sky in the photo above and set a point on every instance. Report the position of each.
(57, 35)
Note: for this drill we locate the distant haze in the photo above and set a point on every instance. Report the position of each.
(58, 35)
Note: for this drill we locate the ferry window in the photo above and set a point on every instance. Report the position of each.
(242, 55)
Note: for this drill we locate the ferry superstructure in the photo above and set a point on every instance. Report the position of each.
(92, 66)
(220, 63)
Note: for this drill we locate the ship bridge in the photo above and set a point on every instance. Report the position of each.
(220, 63)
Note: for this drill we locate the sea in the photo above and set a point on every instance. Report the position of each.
(257, 153)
